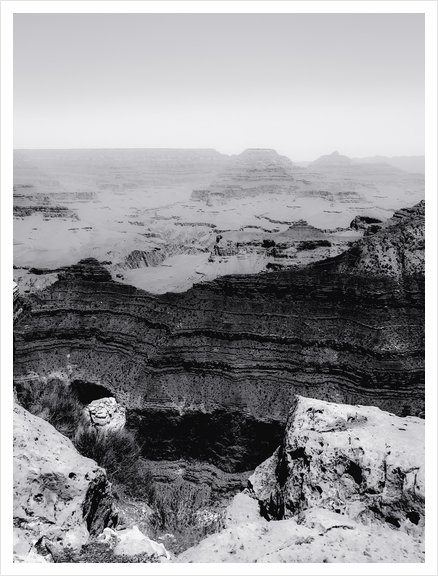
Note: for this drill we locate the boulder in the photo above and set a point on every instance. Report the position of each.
(356, 461)
(106, 413)
(132, 541)
(60, 497)
(346, 485)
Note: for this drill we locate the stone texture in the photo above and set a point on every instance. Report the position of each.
(132, 541)
(322, 537)
(106, 413)
(356, 461)
(59, 495)
(346, 485)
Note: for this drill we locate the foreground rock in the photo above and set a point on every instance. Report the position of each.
(131, 542)
(321, 536)
(356, 461)
(346, 485)
(60, 497)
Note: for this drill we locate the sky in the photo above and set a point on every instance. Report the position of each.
(303, 84)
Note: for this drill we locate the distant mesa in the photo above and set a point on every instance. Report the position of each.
(265, 156)
(330, 160)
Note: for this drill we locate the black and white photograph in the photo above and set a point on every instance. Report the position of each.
(215, 345)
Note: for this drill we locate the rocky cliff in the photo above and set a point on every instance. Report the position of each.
(211, 373)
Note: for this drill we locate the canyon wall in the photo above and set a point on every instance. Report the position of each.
(218, 366)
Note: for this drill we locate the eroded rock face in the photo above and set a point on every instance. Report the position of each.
(60, 497)
(356, 461)
(346, 485)
(228, 356)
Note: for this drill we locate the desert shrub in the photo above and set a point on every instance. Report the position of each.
(184, 510)
(53, 401)
(100, 552)
(119, 453)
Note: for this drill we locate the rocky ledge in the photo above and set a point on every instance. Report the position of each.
(356, 461)
(346, 485)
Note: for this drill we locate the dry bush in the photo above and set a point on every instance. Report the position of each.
(53, 401)
(178, 509)
(100, 552)
(118, 452)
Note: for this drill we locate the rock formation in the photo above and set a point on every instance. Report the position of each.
(254, 172)
(356, 461)
(320, 536)
(60, 497)
(395, 250)
(105, 414)
(207, 373)
(346, 485)
(328, 160)
(132, 541)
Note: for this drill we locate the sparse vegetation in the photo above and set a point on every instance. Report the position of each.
(185, 510)
(53, 401)
(182, 509)
(100, 552)
(119, 453)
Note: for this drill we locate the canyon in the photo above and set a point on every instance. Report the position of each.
(197, 295)
(210, 373)
(163, 220)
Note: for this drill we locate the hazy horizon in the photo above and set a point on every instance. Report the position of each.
(297, 160)
(302, 84)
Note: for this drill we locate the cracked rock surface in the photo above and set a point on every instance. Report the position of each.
(357, 461)
(60, 497)
(346, 485)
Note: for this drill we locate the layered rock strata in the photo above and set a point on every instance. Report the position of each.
(218, 366)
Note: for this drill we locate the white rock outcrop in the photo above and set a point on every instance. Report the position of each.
(320, 537)
(132, 541)
(60, 497)
(346, 485)
(106, 413)
(357, 461)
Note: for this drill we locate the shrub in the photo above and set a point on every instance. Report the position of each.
(100, 552)
(268, 243)
(118, 452)
(184, 510)
(53, 401)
